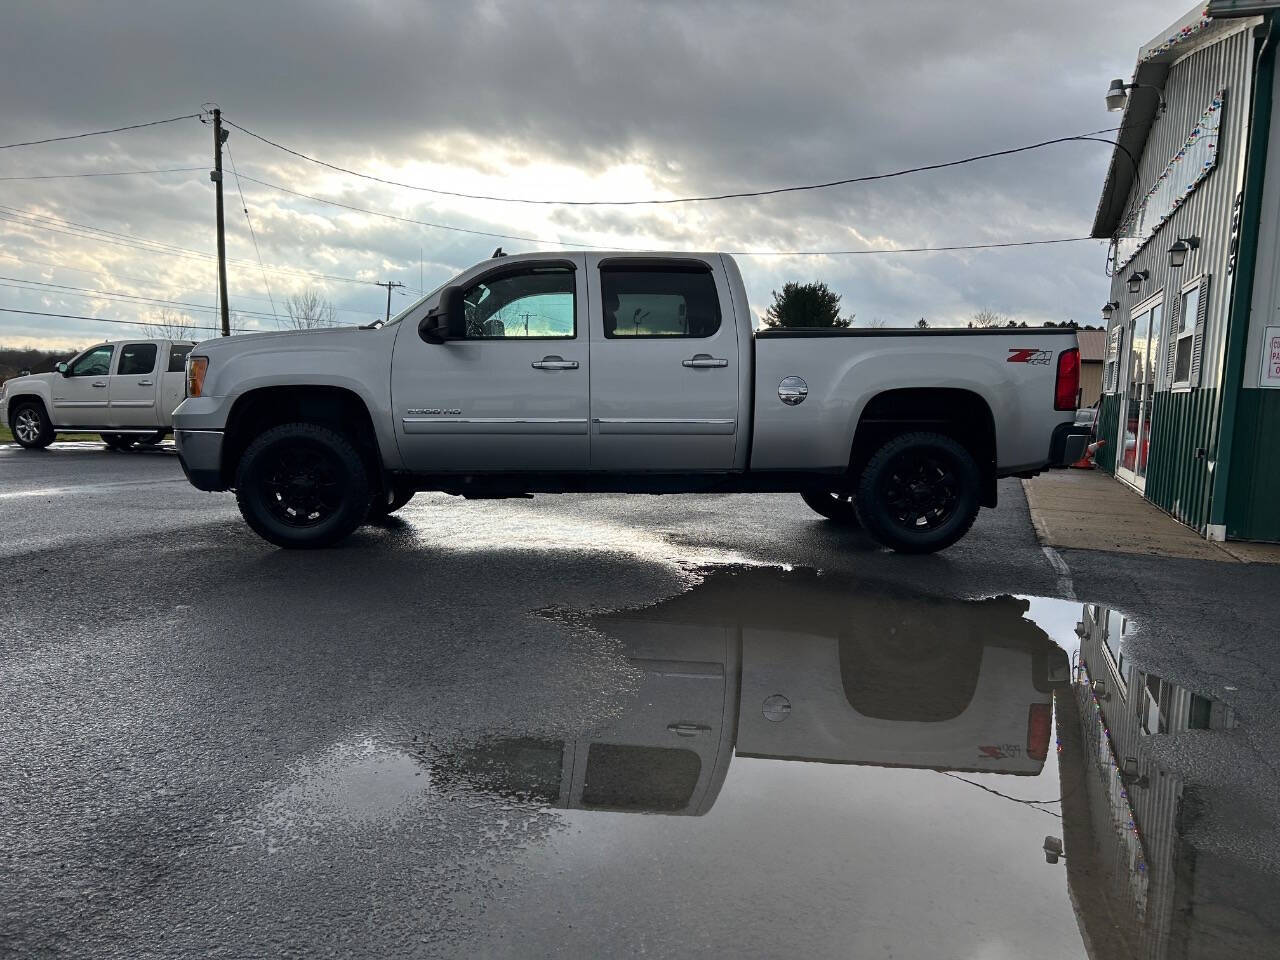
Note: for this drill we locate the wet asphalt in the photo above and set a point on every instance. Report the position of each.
(212, 747)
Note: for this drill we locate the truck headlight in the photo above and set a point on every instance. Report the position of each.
(196, 369)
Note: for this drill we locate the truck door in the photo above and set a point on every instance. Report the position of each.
(133, 386)
(80, 398)
(173, 382)
(664, 366)
(513, 394)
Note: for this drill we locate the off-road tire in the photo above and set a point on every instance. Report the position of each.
(940, 466)
(30, 425)
(836, 505)
(118, 441)
(267, 477)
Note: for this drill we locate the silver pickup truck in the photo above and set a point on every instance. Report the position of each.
(624, 372)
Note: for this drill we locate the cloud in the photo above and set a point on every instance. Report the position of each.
(552, 100)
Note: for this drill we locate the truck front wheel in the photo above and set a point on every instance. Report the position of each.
(302, 485)
(31, 426)
(919, 493)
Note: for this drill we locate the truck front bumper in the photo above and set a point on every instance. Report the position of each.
(1067, 446)
(200, 453)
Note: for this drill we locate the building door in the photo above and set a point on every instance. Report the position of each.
(1139, 393)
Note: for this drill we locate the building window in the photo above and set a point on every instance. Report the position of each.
(1185, 335)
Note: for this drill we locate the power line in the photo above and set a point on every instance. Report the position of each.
(156, 246)
(149, 281)
(596, 246)
(105, 173)
(72, 316)
(772, 191)
(40, 286)
(98, 133)
(253, 235)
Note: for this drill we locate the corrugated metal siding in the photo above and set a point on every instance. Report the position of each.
(1090, 383)
(1253, 509)
(1173, 482)
(1108, 429)
(1176, 480)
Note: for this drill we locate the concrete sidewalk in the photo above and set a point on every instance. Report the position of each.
(1091, 510)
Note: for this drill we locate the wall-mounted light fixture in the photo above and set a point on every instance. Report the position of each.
(1137, 279)
(1181, 247)
(1118, 94)
(1131, 776)
(1109, 309)
(1099, 689)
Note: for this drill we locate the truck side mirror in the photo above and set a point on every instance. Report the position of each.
(62, 368)
(446, 320)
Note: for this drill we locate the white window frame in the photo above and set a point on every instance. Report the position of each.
(1157, 299)
(1176, 385)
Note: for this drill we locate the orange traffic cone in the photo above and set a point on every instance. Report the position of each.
(1086, 462)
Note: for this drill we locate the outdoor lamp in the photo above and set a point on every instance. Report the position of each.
(1136, 279)
(1181, 247)
(1109, 308)
(1117, 94)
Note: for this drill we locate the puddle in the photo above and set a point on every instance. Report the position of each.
(805, 765)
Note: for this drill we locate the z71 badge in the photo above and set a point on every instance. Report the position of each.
(1029, 355)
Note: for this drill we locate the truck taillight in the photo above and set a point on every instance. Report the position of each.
(196, 368)
(1039, 722)
(1067, 387)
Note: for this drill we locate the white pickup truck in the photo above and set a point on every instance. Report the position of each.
(125, 390)
(569, 372)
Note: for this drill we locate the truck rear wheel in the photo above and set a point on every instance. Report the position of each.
(919, 493)
(835, 505)
(118, 441)
(31, 426)
(302, 485)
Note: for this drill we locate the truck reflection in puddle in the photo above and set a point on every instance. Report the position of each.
(737, 667)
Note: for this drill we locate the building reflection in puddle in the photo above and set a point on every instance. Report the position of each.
(1141, 887)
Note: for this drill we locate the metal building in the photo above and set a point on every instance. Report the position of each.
(1189, 409)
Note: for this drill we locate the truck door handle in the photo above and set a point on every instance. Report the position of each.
(687, 729)
(704, 360)
(554, 363)
(99, 383)
(145, 383)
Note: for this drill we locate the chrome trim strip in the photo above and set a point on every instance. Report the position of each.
(665, 426)
(519, 426)
(132, 403)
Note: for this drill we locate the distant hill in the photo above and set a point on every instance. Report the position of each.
(14, 360)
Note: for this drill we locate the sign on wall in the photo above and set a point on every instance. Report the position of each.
(1271, 357)
(1193, 162)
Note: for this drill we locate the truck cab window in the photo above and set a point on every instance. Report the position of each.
(136, 359)
(531, 304)
(673, 301)
(178, 357)
(95, 363)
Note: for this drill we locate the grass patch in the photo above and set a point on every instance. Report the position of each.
(6, 436)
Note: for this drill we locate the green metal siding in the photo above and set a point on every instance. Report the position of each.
(1253, 501)
(1108, 424)
(1178, 480)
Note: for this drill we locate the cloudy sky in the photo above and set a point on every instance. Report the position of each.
(583, 101)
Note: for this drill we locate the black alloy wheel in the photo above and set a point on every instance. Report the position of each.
(919, 493)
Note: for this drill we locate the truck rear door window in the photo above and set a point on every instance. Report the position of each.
(137, 359)
(665, 301)
(178, 357)
(621, 777)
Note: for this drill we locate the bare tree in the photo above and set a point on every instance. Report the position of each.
(169, 324)
(307, 310)
(985, 319)
(922, 323)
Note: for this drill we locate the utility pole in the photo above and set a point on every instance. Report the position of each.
(219, 138)
(389, 284)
